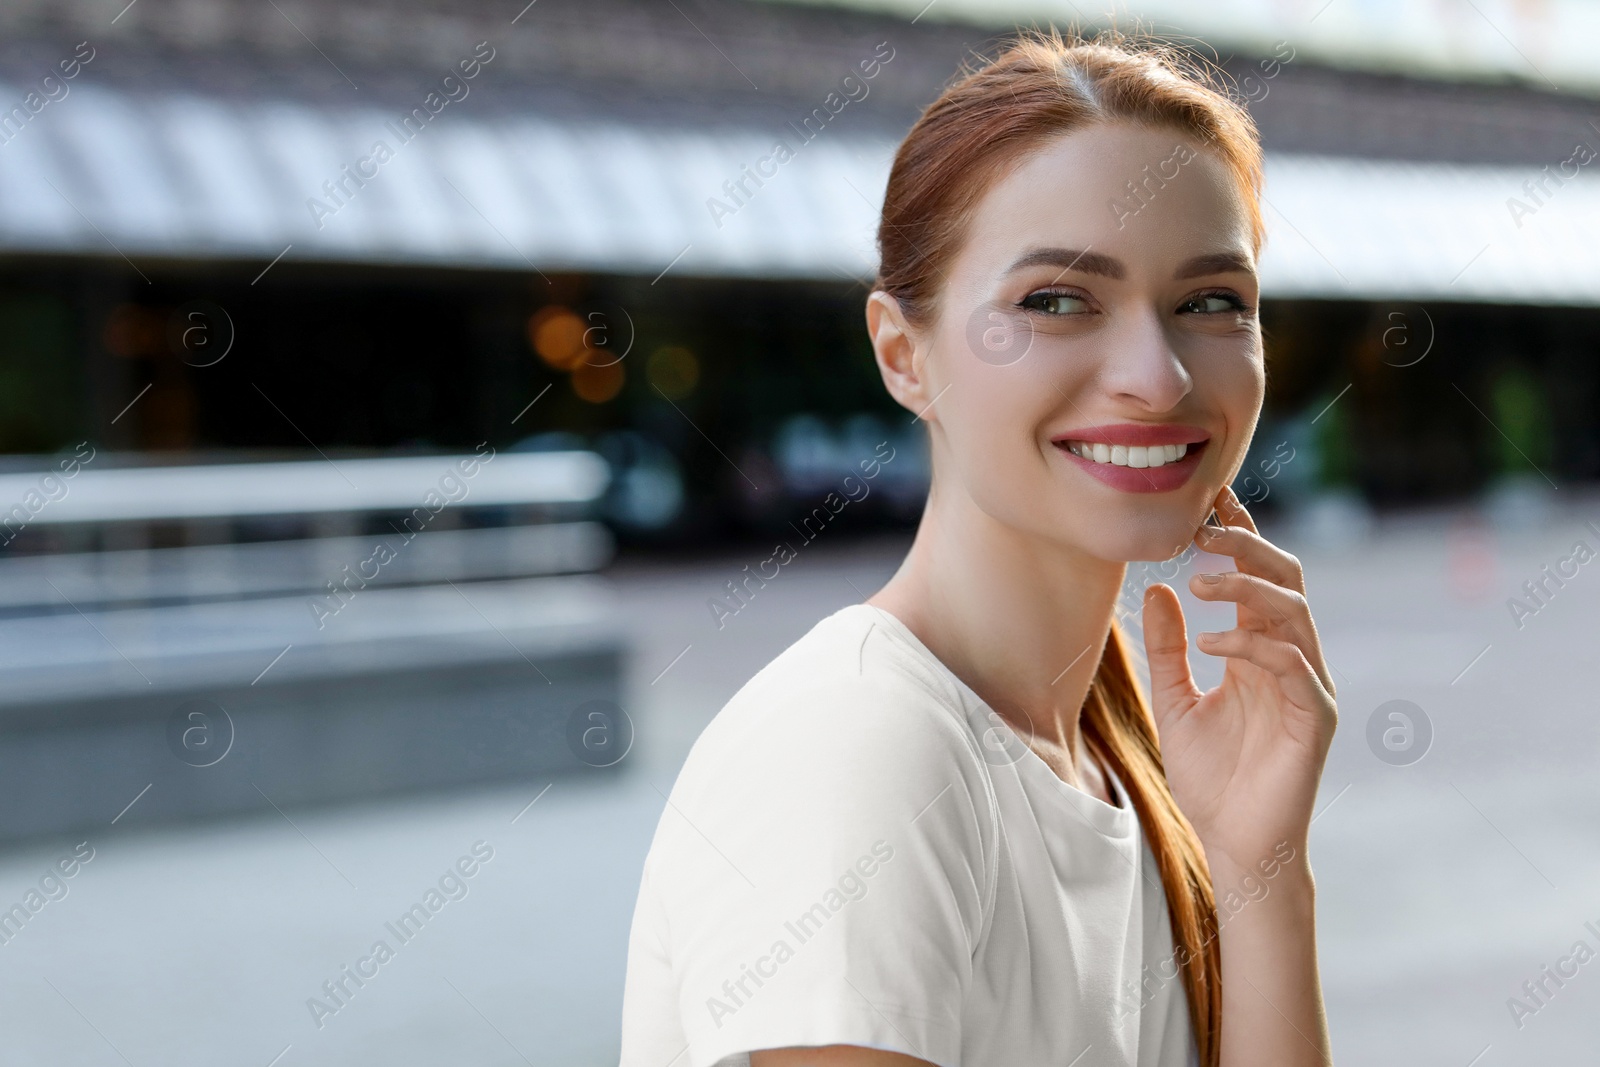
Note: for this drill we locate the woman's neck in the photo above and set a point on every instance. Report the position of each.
(1019, 618)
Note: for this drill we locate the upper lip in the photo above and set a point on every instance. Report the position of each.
(1136, 433)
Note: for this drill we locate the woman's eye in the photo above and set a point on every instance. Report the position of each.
(1213, 303)
(1055, 303)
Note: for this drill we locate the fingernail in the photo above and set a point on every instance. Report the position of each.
(1210, 533)
(1210, 579)
(1208, 637)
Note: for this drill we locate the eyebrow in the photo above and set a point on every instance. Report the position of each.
(1084, 261)
(1087, 262)
(1216, 263)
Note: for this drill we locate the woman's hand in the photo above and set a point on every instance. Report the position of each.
(1243, 760)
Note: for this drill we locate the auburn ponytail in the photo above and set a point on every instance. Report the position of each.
(1040, 87)
(1118, 727)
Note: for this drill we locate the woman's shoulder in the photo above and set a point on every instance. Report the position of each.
(848, 713)
(843, 742)
(850, 674)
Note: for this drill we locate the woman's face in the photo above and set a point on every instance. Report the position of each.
(1086, 335)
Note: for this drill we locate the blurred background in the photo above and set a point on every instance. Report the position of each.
(401, 406)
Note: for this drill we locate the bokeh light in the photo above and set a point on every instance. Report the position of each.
(598, 382)
(557, 335)
(674, 370)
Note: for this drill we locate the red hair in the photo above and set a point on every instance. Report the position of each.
(1039, 88)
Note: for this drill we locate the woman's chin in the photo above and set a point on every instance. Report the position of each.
(1135, 542)
(1128, 528)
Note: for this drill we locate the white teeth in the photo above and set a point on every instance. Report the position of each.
(1129, 455)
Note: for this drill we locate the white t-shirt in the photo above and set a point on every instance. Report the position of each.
(854, 854)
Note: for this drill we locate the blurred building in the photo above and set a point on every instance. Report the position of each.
(232, 229)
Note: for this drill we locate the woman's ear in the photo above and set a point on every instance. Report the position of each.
(895, 349)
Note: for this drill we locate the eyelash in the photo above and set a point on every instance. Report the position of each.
(1239, 306)
(1226, 294)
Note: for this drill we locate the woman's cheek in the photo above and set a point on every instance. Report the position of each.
(1236, 383)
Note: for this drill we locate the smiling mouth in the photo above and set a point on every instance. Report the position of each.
(1137, 456)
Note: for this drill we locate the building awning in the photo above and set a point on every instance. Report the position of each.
(1380, 230)
(105, 172)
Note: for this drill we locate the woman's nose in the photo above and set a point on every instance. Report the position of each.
(1143, 367)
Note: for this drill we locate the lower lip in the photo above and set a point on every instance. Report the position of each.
(1162, 479)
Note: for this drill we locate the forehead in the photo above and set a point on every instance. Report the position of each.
(1149, 197)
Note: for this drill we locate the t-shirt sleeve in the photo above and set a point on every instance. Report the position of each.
(824, 865)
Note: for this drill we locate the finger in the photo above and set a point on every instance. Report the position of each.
(1232, 514)
(1166, 650)
(1281, 659)
(1284, 612)
(1253, 554)
(1231, 510)
(1275, 604)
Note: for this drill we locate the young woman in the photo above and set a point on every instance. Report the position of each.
(946, 826)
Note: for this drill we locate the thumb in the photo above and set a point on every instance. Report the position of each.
(1166, 650)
